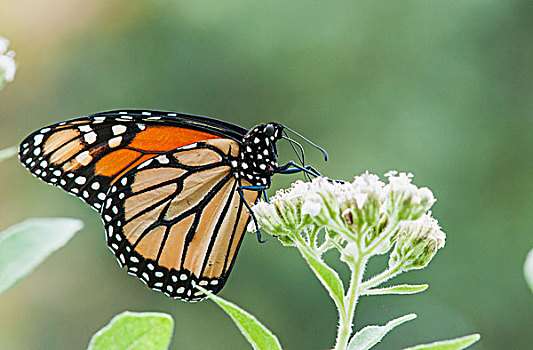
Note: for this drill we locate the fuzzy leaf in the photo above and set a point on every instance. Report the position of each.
(254, 331)
(327, 276)
(25, 245)
(134, 331)
(7, 152)
(453, 344)
(371, 335)
(400, 289)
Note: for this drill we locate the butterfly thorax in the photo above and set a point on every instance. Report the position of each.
(258, 156)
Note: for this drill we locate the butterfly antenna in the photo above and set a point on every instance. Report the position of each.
(300, 158)
(311, 143)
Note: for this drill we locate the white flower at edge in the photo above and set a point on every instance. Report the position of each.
(8, 66)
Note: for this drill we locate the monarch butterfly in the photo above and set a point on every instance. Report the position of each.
(173, 190)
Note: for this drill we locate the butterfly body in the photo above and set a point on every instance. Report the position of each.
(173, 190)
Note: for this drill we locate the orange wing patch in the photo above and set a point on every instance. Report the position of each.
(166, 138)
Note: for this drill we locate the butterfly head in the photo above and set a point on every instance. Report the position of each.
(259, 154)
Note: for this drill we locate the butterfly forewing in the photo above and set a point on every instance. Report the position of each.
(177, 219)
(84, 156)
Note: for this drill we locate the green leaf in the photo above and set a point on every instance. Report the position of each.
(7, 152)
(327, 276)
(400, 289)
(453, 344)
(25, 245)
(528, 269)
(134, 331)
(256, 333)
(371, 335)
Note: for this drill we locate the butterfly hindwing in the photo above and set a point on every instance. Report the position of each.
(177, 219)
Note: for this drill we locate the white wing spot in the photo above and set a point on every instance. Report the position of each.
(144, 164)
(90, 137)
(159, 274)
(183, 277)
(115, 141)
(101, 196)
(37, 151)
(38, 139)
(124, 181)
(84, 158)
(146, 113)
(80, 180)
(119, 129)
(95, 185)
(85, 128)
(162, 159)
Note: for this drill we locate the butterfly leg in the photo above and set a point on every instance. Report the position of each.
(292, 168)
(253, 188)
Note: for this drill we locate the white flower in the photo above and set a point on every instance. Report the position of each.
(312, 205)
(8, 66)
(405, 201)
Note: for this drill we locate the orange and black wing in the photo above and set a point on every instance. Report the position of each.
(177, 220)
(84, 156)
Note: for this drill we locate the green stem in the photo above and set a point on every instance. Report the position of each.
(380, 278)
(346, 315)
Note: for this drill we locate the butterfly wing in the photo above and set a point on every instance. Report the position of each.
(84, 156)
(177, 220)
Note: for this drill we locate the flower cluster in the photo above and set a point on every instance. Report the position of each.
(367, 213)
(8, 66)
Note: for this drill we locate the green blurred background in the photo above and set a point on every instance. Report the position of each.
(442, 89)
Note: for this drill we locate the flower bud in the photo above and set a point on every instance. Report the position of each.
(417, 243)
